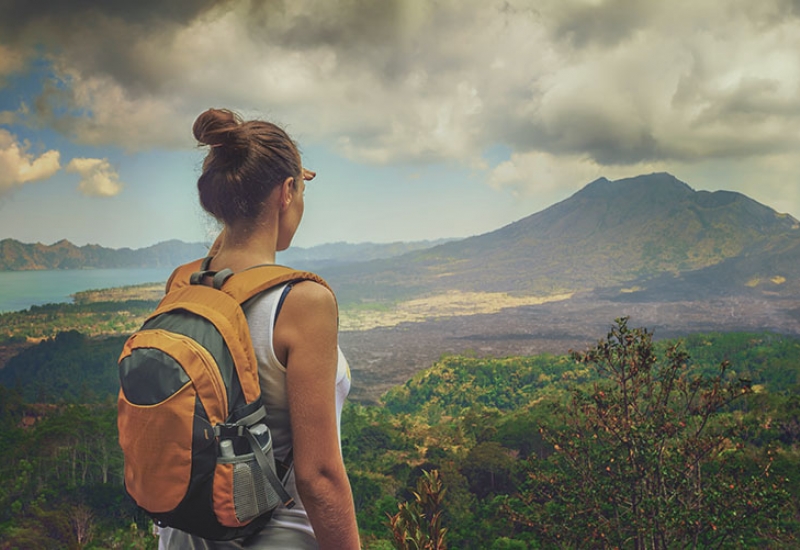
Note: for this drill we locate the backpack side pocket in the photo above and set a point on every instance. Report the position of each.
(242, 490)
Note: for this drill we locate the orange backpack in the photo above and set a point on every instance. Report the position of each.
(198, 454)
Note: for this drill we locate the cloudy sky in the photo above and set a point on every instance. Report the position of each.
(423, 118)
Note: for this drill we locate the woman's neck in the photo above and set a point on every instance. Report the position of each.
(239, 250)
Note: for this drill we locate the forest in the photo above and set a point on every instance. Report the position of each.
(632, 443)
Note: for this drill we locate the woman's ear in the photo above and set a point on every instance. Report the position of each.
(287, 193)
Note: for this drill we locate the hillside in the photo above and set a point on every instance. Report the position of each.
(609, 234)
(488, 426)
(17, 256)
(318, 257)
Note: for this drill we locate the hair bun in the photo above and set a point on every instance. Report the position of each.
(215, 126)
(256, 157)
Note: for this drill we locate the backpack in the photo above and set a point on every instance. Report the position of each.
(198, 454)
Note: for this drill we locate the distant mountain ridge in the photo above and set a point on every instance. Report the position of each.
(610, 234)
(650, 237)
(18, 256)
(317, 257)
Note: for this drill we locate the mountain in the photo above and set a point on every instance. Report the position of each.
(624, 235)
(17, 256)
(771, 270)
(318, 257)
(650, 248)
(650, 237)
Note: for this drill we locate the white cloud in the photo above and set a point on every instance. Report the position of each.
(11, 61)
(98, 178)
(18, 166)
(552, 176)
(773, 180)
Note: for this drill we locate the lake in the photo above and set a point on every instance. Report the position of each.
(22, 289)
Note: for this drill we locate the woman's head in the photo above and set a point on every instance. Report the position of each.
(248, 160)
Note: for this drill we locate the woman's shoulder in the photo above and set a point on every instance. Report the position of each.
(311, 296)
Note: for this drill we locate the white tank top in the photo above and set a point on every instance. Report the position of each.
(261, 314)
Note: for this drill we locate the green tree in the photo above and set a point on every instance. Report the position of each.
(489, 469)
(636, 459)
(418, 523)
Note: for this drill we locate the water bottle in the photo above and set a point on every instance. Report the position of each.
(226, 448)
(258, 429)
(261, 433)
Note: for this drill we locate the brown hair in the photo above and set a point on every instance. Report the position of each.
(246, 162)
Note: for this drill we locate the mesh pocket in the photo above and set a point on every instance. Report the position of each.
(242, 491)
(252, 493)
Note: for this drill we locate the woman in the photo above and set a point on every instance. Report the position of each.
(253, 182)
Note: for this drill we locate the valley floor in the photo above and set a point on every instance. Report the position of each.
(384, 357)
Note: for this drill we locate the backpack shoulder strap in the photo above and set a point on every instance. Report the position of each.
(248, 283)
(243, 285)
(182, 275)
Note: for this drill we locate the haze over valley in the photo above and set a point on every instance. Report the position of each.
(674, 259)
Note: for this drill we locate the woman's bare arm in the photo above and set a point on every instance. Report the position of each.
(306, 341)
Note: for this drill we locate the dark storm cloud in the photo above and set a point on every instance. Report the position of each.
(97, 35)
(358, 23)
(18, 18)
(604, 24)
(379, 36)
